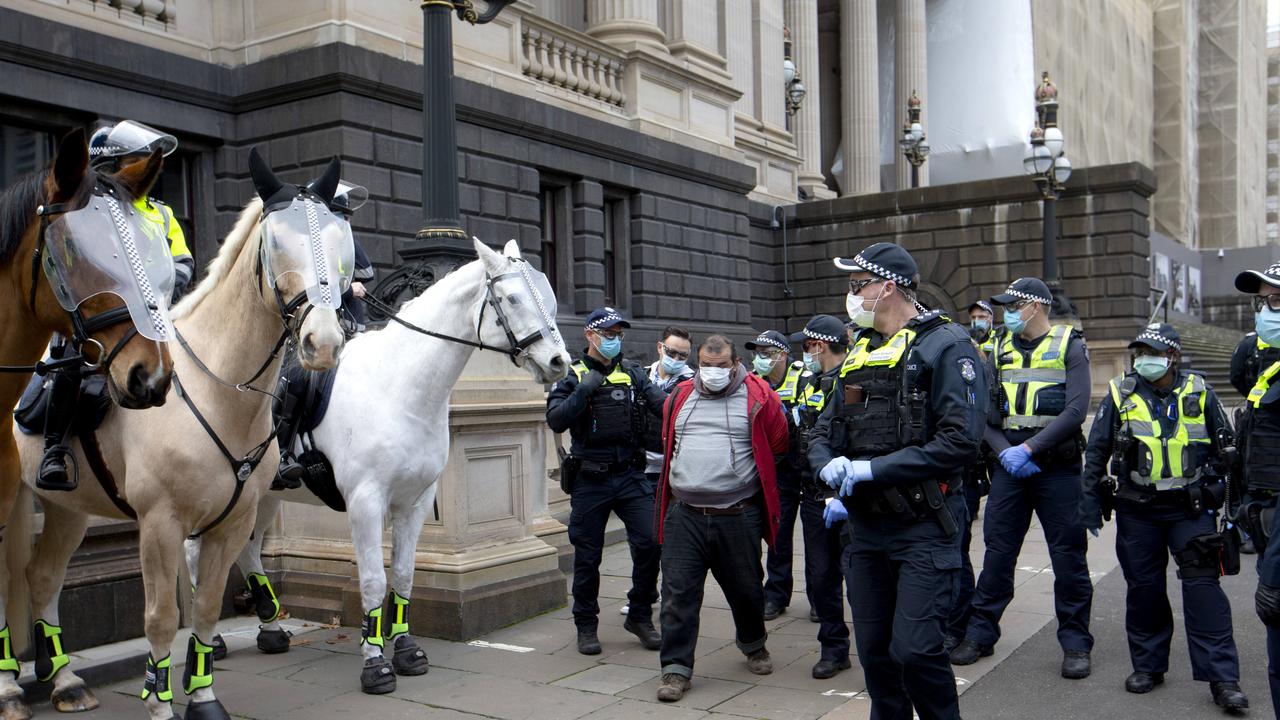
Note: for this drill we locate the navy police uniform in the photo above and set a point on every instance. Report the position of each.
(606, 424)
(1163, 447)
(912, 406)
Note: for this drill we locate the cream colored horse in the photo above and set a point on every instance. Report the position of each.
(171, 472)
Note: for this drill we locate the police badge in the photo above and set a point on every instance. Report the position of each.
(967, 371)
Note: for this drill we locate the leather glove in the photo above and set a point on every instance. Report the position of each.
(1027, 470)
(834, 472)
(592, 381)
(1014, 457)
(1266, 602)
(834, 513)
(859, 471)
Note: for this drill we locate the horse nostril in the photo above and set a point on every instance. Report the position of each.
(308, 346)
(557, 363)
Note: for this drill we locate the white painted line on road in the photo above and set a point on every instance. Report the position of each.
(855, 694)
(500, 646)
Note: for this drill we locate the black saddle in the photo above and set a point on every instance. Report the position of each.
(90, 411)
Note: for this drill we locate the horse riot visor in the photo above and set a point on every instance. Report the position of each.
(305, 239)
(102, 248)
(520, 288)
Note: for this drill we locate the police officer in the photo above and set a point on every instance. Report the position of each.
(110, 148)
(903, 415)
(1040, 397)
(1259, 437)
(771, 352)
(605, 404)
(822, 515)
(982, 326)
(1164, 434)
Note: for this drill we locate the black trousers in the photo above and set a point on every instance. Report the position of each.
(824, 579)
(778, 582)
(963, 608)
(630, 496)
(729, 547)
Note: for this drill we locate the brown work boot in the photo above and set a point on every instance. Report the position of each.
(673, 687)
(760, 663)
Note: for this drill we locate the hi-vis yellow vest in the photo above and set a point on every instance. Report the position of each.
(787, 390)
(888, 355)
(1047, 369)
(617, 376)
(161, 225)
(1261, 387)
(1169, 455)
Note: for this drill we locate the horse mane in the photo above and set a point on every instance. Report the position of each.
(19, 201)
(449, 277)
(221, 265)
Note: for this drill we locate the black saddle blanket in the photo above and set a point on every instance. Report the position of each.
(311, 392)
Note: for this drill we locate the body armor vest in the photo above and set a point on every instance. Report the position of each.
(877, 418)
(1260, 358)
(1154, 459)
(1262, 437)
(1032, 386)
(611, 406)
(790, 387)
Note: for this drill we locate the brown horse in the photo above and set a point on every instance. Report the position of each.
(138, 375)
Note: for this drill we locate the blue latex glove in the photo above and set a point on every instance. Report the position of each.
(834, 472)
(1014, 457)
(1027, 470)
(834, 512)
(859, 471)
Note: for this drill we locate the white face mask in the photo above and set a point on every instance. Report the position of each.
(861, 316)
(713, 378)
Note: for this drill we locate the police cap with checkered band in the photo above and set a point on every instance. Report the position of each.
(826, 328)
(1027, 288)
(1250, 281)
(884, 260)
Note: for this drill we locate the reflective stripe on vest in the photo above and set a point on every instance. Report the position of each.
(1167, 453)
(1261, 387)
(886, 355)
(787, 390)
(1047, 368)
(617, 377)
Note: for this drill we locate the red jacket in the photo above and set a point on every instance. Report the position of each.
(769, 439)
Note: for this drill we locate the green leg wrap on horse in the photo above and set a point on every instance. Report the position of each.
(371, 628)
(49, 655)
(8, 663)
(157, 680)
(400, 624)
(264, 597)
(199, 671)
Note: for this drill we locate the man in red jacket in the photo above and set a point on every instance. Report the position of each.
(722, 433)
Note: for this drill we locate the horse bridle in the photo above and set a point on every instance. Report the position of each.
(518, 349)
(82, 328)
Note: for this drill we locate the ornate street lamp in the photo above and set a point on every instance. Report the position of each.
(1047, 164)
(793, 88)
(441, 244)
(914, 144)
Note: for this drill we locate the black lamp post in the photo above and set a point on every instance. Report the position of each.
(914, 144)
(441, 244)
(1049, 167)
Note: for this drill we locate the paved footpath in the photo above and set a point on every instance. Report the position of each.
(531, 670)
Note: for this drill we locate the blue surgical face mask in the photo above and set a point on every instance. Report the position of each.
(762, 365)
(609, 347)
(1267, 324)
(1013, 320)
(1151, 368)
(672, 366)
(811, 363)
(982, 324)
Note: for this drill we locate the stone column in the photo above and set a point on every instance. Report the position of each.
(627, 24)
(696, 27)
(910, 64)
(859, 101)
(802, 20)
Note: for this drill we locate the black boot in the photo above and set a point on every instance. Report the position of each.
(54, 473)
(287, 410)
(1228, 695)
(588, 643)
(57, 468)
(289, 474)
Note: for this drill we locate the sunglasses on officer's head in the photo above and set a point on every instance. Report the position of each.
(1270, 301)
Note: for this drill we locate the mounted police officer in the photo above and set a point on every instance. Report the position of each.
(822, 514)
(771, 352)
(1040, 398)
(1165, 436)
(606, 405)
(904, 414)
(982, 328)
(110, 148)
(1259, 436)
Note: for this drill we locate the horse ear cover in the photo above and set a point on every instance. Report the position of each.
(268, 186)
(327, 184)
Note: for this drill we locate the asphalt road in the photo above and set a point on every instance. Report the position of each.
(1027, 684)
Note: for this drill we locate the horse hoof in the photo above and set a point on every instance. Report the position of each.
(14, 708)
(273, 642)
(219, 648)
(377, 678)
(409, 658)
(209, 710)
(74, 699)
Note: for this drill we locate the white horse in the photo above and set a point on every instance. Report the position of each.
(181, 472)
(389, 462)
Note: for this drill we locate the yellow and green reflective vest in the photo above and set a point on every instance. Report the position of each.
(790, 382)
(617, 376)
(1171, 461)
(888, 355)
(161, 225)
(1026, 380)
(1263, 384)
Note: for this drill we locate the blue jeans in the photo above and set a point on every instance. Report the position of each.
(630, 496)
(728, 546)
(1054, 496)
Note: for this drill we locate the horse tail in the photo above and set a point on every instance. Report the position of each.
(18, 541)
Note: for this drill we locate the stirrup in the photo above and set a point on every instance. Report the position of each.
(288, 475)
(55, 475)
